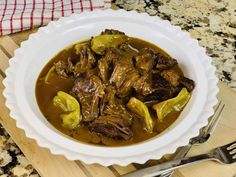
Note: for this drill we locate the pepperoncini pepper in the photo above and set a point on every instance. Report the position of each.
(100, 43)
(174, 104)
(141, 109)
(70, 106)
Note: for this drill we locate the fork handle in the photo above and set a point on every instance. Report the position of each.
(180, 154)
(167, 166)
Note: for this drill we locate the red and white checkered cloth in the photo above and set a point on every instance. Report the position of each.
(19, 15)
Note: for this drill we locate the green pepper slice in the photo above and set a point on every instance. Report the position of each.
(71, 120)
(100, 43)
(71, 106)
(174, 104)
(141, 109)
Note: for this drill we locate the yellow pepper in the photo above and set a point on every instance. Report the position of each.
(141, 109)
(71, 120)
(102, 42)
(71, 106)
(174, 104)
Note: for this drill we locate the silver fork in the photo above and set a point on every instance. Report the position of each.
(225, 154)
(203, 136)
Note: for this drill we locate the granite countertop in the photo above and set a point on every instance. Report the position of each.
(211, 22)
(12, 161)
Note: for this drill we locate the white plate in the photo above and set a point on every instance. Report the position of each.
(34, 53)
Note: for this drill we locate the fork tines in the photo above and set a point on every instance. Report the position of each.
(232, 149)
(232, 146)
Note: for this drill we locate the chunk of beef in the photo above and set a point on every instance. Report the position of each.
(111, 105)
(160, 94)
(145, 60)
(99, 87)
(122, 66)
(131, 78)
(164, 62)
(148, 58)
(90, 72)
(86, 60)
(83, 86)
(124, 76)
(172, 76)
(187, 83)
(111, 126)
(65, 69)
(112, 31)
(128, 51)
(158, 81)
(112, 55)
(143, 85)
(105, 64)
(89, 107)
(89, 93)
(160, 89)
(104, 70)
(61, 68)
(149, 83)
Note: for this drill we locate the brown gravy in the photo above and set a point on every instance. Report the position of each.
(45, 93)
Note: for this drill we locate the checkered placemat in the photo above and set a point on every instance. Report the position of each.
(19, 15)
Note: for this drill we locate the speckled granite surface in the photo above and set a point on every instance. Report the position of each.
(211, 22)
(12, 162)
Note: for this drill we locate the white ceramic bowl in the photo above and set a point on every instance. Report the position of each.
(41, 46)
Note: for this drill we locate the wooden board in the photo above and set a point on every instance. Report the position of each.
(49, 165)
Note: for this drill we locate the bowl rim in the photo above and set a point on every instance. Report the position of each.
(108, 155)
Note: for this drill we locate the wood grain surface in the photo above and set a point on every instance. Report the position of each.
(49, 165)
